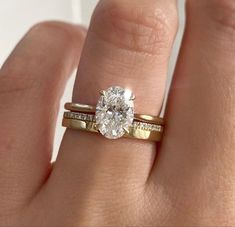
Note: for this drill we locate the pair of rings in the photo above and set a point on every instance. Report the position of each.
(113, 117)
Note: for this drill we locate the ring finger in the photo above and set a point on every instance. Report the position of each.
(128, 44)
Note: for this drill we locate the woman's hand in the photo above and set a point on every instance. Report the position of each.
(188, 180)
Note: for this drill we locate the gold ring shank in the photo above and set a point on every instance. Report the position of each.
(77, 107)
(137, 133)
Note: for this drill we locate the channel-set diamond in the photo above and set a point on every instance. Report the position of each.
(136, 124)
(115, 112)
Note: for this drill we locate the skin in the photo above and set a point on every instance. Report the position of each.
(187, 180)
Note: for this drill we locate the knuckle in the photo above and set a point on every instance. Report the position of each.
(222, 12)
(138, 28)
(16, 75)
(16, 87)
(53, 32)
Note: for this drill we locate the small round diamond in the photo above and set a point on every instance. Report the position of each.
(115, 112)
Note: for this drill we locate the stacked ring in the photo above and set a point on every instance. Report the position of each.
(77, 107)
(114, 117)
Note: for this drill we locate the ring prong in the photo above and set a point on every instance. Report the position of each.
(96, 127)
(126, 130)
(102, 92)
(132, 97)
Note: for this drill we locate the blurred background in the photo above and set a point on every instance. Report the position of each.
(17, 16)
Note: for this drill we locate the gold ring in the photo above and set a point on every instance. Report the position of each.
(114, 117)
(138, 130)
(77, 107)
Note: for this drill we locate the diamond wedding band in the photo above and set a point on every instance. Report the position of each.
(83, 108)
(114, 117)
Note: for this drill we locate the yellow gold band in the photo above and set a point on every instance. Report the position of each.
(134, 131)
(77, 107)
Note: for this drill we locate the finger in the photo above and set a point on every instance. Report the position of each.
(198, 149)
(31, 83)
(128, 44)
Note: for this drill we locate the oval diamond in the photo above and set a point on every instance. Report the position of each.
(115, 112)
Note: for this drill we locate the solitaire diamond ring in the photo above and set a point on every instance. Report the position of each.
(114, 117)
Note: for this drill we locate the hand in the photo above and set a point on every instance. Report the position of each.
(188, 180)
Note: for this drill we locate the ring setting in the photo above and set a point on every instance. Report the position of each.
(115, 112)
(114, 117)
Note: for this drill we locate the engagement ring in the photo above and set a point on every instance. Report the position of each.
(114, 117)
